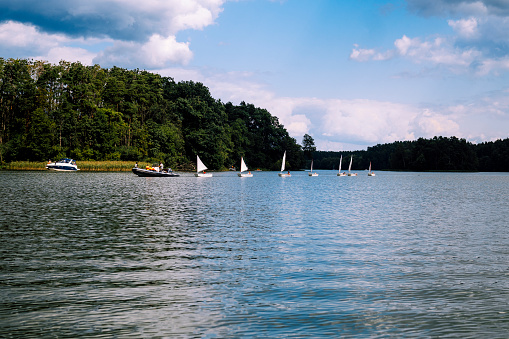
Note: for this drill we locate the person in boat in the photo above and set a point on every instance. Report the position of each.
(49, 161)
(136, 165)
(288, 172)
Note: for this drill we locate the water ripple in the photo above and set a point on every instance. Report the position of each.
(114, 255)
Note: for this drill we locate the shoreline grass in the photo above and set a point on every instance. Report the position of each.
(85, 166)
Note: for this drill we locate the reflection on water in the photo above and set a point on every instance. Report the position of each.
(115, 255)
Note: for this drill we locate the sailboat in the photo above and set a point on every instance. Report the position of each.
(281, 174)
(370, 174)
(200, 169)
(339, 172)
(350, 167)
(243, 168)
(312, 174)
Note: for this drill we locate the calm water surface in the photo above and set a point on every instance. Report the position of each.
(115, 255)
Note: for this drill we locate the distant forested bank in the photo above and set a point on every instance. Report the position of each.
(91, 113)
(436, 154)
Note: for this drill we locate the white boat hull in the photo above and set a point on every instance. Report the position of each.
(313, 174)
(149, 173)
(284, 175)
(245, 175)
(341, 174)
(63, 169)
(352, 174)
(63, 165)
(371, 175)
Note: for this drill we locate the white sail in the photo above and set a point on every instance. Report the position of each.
(370, 174)
(200, 167)
(340, 161)
(311, 173)
(243, 166)
(350, 167)
(283, 163)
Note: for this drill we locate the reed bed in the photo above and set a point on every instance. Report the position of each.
(25, 166)
(86, 166)
(107, 166)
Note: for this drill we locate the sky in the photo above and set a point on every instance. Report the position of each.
(352, 73)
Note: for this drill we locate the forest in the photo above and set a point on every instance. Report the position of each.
(91, 113)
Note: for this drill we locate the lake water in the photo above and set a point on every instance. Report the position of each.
(114, 255)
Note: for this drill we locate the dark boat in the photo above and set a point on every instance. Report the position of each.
(151, 173)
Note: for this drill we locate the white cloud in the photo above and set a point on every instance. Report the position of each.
(155, 53)
(339, 125)
(493, 66)
(466, 28)
(480, 45)
(139, 34)
(435, 124)
(438, 51)
(15, 34)
(71, 54)
(132, 20)
(27, 39)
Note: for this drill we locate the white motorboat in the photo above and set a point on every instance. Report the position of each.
(63, 165)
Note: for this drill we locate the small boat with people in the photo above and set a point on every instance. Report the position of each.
(339, 172)
(370, 173)
(243, 168)
(63, 165)
(350, 174)
(283, 162)
(154, 171)
(311, 173)
(200, 169)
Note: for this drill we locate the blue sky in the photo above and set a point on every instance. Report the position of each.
(352, 74)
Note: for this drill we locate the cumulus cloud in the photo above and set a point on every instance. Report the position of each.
(480, 46)
(139, 34)
(437, 51)
(28, 40)
(131, 20)
(466, 28)
(155, 53)
(360, 54)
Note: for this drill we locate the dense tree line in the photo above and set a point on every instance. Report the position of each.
(436, 154)
(91, 113)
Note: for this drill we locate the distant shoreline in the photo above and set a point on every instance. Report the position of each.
(126, 166)
(86, 166)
